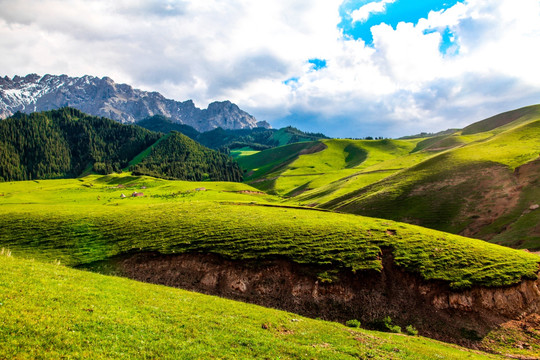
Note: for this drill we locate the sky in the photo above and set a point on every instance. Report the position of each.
(347, 68)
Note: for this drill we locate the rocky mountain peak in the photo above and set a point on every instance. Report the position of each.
(121, 102)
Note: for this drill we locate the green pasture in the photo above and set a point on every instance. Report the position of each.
(53, 312)
(80, 221)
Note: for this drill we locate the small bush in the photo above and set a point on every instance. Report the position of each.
(386, 325)
(353, 323)
(411, 330)
(394, 328)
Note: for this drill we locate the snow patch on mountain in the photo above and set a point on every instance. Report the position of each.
(103, 97)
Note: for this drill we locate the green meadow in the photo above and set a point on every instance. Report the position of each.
(80, 221)
(434, 182)
(299, 202)
(53, 312)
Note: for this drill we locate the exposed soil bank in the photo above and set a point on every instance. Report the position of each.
(437, 311)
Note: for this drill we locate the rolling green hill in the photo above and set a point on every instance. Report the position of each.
(80, 221)
(313, 170)
(483, 188)
(68, 143)
(481, 181)
(52, 312)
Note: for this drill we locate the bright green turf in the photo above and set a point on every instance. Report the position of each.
(241, 152)
(53, 312)
(401, 195)
(333, 177)
(268, 161)
(75, 223)
(293, 173)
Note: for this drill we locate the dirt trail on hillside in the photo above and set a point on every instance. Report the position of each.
(432, 307)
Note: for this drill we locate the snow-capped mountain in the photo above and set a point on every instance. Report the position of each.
(121, 102)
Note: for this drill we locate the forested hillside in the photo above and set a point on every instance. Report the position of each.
(68, 143)
(257, 139)
(179, 157)
(65, 142)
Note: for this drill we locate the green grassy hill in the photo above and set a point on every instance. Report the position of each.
(86, 220)
(327, 168)
(480, 181)
(483, 188)
(51, 312)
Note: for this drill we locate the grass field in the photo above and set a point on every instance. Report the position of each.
(445, 191)
(455, 183)
(295, 170)
(241, 152)
(80, 221)
(52, 312)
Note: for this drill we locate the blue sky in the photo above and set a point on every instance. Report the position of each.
(394, 13)
(349, 68)
(398, 11)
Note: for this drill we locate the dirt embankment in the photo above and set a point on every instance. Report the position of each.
(501, 194)
(438, 312)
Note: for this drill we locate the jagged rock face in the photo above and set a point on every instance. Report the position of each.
(104, 97)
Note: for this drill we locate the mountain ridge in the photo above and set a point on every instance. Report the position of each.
(121, 102)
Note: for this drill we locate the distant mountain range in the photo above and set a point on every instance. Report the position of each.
(120, 102)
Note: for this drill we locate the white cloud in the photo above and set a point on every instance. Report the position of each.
(362, 14)
(244, 50)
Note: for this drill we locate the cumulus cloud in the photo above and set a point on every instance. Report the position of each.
(363, 13)
(246, 50)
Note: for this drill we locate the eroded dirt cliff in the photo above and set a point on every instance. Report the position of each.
(437, 311)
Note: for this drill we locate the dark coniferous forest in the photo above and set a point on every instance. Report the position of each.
(68, 143)
(179, 157)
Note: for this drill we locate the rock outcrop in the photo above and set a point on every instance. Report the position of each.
(120, 102)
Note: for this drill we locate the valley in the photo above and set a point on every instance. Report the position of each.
(273, 180)
(323, 228)
(493, 165)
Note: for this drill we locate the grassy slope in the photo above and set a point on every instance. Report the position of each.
(343, 166)
(51, 312)
(500, 120)
(382, 158)
(77, 223)
(264, 164)
(347, 166)
(410, 195)
(241, 152)
(417, 180)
